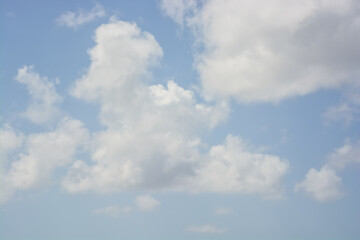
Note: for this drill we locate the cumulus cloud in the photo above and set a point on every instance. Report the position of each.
(44, 99)
(234, 167)
(75, 19)
(42, 153)
(162, 121)
(146, 202)
(324, 185)
(270, 50)
(208, 228)
(152, 137)
(112, 211)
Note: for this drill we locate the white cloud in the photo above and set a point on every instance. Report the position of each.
(233, 167)
(177, 9)
(112, 211)
(223, 211)
(348, 110)
(271, 50)
(75, 19)
(343, 112)
(146, 203)
(345, 155)
(120, 61)
(10, 140)
(164, 122)
(44, 99)
(42, 153)
(205, 229)
(153, 133)
(324, 185)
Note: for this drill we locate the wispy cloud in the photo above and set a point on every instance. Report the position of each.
(177, 10)
(10, 14)
(343, 112)
(207, 228)
(112, 211)
(75, 19)
(348, 110)
(223, 211)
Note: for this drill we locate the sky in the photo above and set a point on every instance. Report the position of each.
(180, 119)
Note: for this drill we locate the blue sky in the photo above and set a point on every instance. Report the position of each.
(180, 119)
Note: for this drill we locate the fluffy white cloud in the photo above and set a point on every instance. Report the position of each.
(324, 185)
(146, 202)
(44, 99)
(119, 62)
(42, 153)
(233, 167)
(153, 133)
(112, 211)
(152, 140)
(10, 139)
(75, 19)
(271, 50)
(208, 228)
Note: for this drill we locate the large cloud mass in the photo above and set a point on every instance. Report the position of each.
(151, 137)
(153, 133)
(271, 50)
